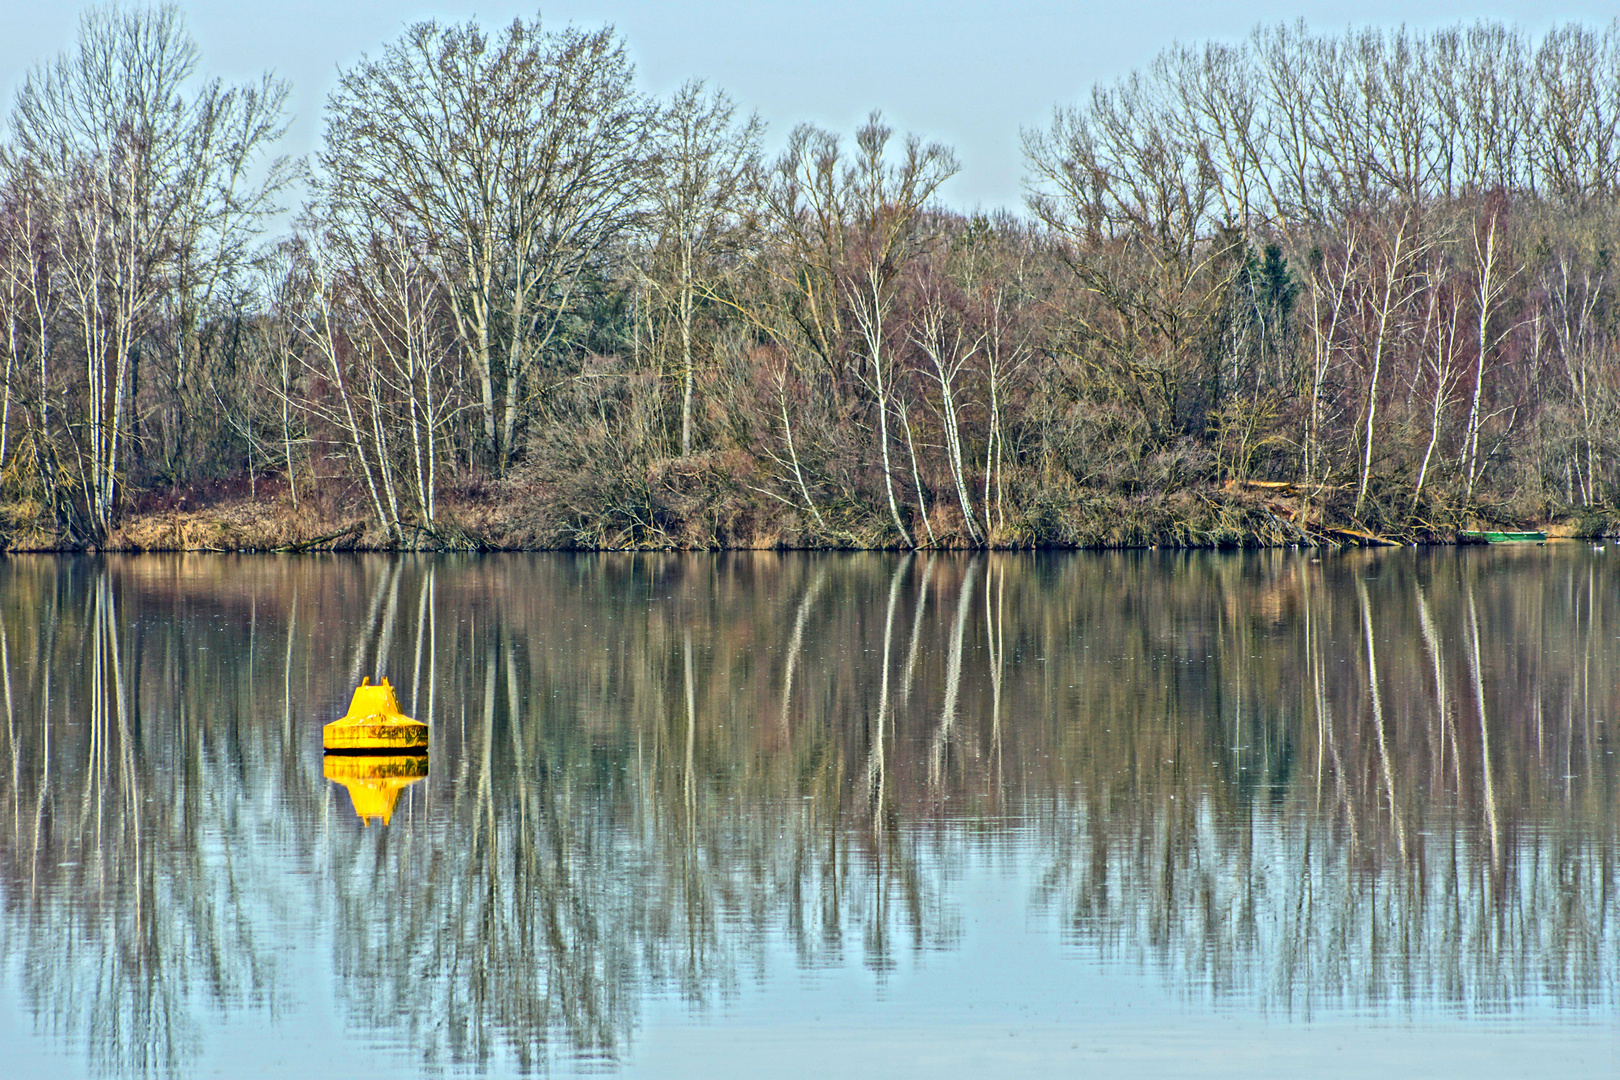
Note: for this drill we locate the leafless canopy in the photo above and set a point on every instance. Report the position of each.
(517, 157)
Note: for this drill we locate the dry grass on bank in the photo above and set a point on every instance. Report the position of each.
(529, 516)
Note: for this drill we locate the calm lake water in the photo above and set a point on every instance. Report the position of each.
(1138, 814)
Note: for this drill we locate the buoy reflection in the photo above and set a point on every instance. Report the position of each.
(375, 780)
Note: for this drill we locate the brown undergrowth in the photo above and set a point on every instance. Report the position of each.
(702, 506)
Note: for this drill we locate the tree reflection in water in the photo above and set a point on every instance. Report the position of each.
(1364, 779)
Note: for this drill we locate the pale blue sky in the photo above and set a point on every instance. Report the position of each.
(970, 73)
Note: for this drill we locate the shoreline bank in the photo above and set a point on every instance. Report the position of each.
(1190, 519)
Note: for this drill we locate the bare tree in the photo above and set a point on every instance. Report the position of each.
(1576, 115)
(887, 200)
(283, 284)
(324, 330)
(1440, 363)
(154, 193)
(1397, 248)
(943, 336)
(1329, 288)
(31, 309)
(699, 196)
(520, 160)
(847, 228)
(1136, 204)
(1574, 288)
(1490, 282)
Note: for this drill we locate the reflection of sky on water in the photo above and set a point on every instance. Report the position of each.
(1009, 1003)
(1006, 1003)
(775, 815)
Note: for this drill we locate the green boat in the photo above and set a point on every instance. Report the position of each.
(1472, 537)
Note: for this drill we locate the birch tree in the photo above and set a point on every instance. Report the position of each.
(1491, 279)
(27, 250)
(1397, 248)
(887, 200)
(846, 228)
(154, 190)
(944, 337)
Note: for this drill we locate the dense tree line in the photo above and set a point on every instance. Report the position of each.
(1300, 283)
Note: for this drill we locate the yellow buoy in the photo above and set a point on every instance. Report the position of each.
(375, 780)
(374, 722)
